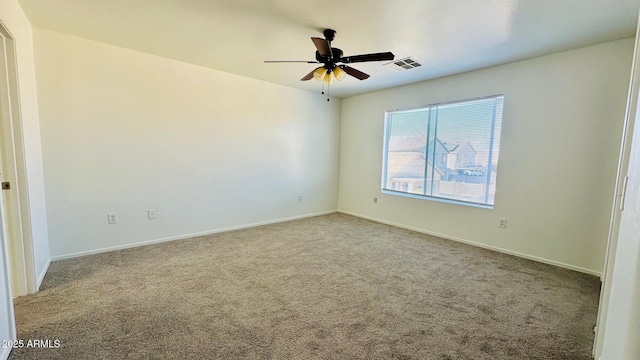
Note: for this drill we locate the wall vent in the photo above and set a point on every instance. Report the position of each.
(405, 64)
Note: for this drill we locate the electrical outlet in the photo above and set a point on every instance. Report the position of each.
(112, 218)
(375, 200)
(152, 214)
(502, 222)
(299, 198)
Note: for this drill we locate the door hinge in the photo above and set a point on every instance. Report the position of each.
(6, 185)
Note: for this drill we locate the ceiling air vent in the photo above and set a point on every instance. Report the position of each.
(407, 63)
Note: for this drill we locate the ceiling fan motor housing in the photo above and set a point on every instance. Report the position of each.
(330, 61)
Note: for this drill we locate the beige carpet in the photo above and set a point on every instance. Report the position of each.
(329, 287)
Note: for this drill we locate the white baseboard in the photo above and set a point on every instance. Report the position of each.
(186, 236)
(209, 232)
(42, 274)
(4, 355)
(484, 246)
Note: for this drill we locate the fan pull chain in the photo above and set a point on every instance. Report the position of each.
(327, 90)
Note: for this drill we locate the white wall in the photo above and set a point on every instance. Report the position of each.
(562, 121)
(16, 22)
(125, 131)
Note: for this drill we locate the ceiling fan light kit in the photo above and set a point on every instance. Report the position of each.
(338, 73)
(330, 57)
(324, 75)
(319, 73)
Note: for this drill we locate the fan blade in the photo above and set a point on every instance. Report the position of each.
(322, 45)
(309, 76)
(290, 61)
(354, 72)
(368, 57)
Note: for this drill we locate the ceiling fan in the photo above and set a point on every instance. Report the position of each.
(333, 61)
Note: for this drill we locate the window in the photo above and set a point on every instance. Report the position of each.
(446, 152)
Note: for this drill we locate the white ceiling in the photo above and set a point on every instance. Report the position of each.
(446, 36)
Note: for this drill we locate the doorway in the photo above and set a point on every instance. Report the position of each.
(18, 240)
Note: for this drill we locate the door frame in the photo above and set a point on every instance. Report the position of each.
(619, 192)
(19, 243)
(5, 278)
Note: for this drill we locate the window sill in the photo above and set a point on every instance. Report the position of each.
(436, 199)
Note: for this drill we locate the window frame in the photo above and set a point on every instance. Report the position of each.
(429, 108)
